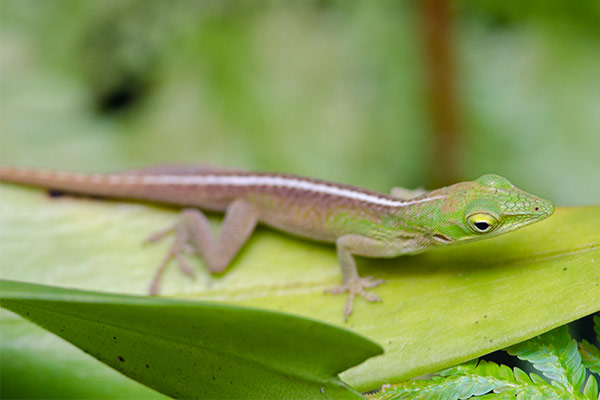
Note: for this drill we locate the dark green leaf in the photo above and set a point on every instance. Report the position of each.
(196, 349)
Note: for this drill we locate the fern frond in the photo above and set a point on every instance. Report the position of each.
(472, 379)
(555, 354)
(590, 355)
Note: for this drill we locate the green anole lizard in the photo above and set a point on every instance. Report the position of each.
(360, 222)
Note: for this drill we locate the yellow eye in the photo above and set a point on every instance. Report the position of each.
(482, 223)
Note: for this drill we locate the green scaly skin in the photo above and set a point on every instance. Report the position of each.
(450, 219)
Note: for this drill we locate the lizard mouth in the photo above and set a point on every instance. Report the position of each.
(442, 238)
(540, 210)
(524, 220)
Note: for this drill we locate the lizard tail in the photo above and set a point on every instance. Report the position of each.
(111, 185)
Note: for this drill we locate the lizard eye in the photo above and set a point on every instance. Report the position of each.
(482, 223)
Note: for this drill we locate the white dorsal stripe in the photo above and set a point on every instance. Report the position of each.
(224, 180)
(266, 180)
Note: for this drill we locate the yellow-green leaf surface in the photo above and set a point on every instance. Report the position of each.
(439, 308)
(191, 349)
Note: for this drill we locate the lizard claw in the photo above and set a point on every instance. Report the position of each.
(357, 286)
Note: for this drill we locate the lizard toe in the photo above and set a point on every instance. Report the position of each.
(356, 287)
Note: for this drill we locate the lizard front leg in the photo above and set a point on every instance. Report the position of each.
(192, 231)
(353, 284)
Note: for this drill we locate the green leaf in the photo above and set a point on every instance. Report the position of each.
(597, 326)
(590, 355)
(555, 354)
(196, 349)
(472, 379)
(479, 297)
(590, 391)
(37, 364)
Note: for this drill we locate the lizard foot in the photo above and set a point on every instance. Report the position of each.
(357, 286)
(181, 245)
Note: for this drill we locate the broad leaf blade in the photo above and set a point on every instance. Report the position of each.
(440, 308)
(197, 350)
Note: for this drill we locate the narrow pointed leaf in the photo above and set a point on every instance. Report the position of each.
(590, 391)
(196, 349)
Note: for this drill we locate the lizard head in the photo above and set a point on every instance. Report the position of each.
(486, 207)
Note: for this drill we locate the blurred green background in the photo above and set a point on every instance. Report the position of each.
(340, 90)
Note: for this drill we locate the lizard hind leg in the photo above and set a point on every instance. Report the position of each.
(193, 234)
